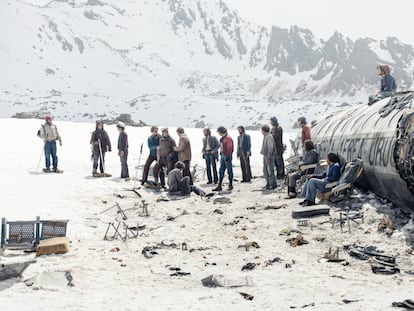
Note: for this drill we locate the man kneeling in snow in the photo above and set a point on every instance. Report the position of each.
(179, 185)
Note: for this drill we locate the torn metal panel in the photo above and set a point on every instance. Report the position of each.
(382, 135)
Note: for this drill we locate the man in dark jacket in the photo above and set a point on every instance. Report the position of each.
(244, 153)
(153, 143)
(210, 155)
(226, 154)
(388, 86)
(100, 143)
(123, 149)
(310, 157)
(277, 133)
(165, 157)
(319, 181)
(179, 184)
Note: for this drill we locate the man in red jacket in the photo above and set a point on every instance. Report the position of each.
(226, 153)
(306, 131)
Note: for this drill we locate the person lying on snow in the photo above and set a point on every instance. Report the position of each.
(319, 181)
(179, 185)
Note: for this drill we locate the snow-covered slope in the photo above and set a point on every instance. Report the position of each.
(114, 275)
(175, 61)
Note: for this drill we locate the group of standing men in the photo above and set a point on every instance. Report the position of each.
(167, 154)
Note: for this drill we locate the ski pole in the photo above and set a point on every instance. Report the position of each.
(40, 158)
(139, 162)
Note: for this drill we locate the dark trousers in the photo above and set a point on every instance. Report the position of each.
(124, 165)
(97, 158)
(186, 171)
(293, 178)
(280, 166)
(211, 166)
(150, 159)
(226, 164)
(159, 169)
(245, 166)
(50, 151)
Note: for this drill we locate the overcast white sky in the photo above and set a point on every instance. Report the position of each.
(354, 18)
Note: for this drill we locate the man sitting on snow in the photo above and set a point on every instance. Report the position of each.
(179, 185)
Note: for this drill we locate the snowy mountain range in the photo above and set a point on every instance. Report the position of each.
(194, 63)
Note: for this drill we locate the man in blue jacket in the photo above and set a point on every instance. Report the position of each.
(153, 143)
(319, 181)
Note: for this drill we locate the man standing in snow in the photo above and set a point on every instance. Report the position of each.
(277, 133)
(244, 153)
(153, 143)
(165, 157)
(226, 153)
(49, 133)
(269, 153)
(210, 154)
(184, 152)
(306, 131)
(123, 149)
(100, 144)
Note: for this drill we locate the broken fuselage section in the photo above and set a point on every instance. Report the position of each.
(382, 135)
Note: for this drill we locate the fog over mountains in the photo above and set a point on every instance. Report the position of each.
(175, 62)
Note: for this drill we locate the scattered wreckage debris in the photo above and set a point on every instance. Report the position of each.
(306, 212)
(296, 241)
(220, 280)
(247, 246)
(407, 304)
(386, 225)
(246, 296)
(384, 264)
(13, 269)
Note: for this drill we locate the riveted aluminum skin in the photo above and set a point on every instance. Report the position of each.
(382, 135)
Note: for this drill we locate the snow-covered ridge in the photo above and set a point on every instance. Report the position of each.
(86, 59)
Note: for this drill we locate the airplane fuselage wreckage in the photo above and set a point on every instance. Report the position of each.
(382, 135)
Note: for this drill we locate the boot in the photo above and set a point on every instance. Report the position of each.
(230, 187)
(291, 193)
(218, 188)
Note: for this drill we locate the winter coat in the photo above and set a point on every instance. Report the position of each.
(306, 133)
(388, 84)
(243, 144)
(213, 143)
(184, 148)
(174, 180)
(49, 132)
(100, 135)
(277, 133)
(311, 157)
(226, 145)
(153, 143)
(166, 147)
(332, 173)
(123, 142)
(268, 146)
